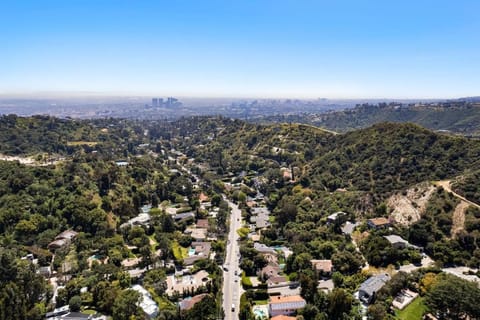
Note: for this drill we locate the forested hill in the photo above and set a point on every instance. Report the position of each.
(458, 117)
(45, 134)
(390, 156)
(381, 158)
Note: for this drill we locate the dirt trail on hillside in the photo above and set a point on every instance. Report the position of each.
(446, 185)
(458, 218)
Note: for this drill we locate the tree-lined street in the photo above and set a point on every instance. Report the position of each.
(231, 270)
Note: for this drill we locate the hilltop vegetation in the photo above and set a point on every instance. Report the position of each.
(456, 116)
(391, 156)
(468, 186)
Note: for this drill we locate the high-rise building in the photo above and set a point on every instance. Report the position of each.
(154, 102)
(171, 102)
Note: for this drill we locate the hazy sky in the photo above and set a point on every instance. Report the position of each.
(256, 48)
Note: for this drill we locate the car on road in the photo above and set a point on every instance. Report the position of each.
(233, 307)
(236, 272)
(225, 269)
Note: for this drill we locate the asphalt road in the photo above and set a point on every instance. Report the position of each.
(231, 282)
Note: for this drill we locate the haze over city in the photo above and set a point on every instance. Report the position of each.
(256, 49)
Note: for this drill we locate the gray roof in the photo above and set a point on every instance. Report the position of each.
(349, 227)
(262, 223)
(181, 216)
(67, 234)
(262, 248)
(395, 239)
(373, 284)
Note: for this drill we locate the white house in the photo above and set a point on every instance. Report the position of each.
(147, 304)
(278, 305)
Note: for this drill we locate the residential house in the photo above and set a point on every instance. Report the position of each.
(198, 250)
(262, 248)
(262, 223)
(269, 271)
(202, 223)
(46, 271)
(288, 305)
(400, 243)
(323, 268)
(139, 220)
(348, 228)
(121, 163)
(58, 312)
(378, 223)
(199, 234)
(147, 304)
(370, 287)
(259, 211)
(184, 216)
(276, 280)
(64, 313)
(62, 240)
(331, 219)
(186, 282)
(397, 241)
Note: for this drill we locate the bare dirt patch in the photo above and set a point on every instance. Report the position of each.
(458, 218)
(408, 206)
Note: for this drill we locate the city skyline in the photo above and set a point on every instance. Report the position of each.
(264, 49)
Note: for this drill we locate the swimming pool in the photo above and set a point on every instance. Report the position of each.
(260, 312)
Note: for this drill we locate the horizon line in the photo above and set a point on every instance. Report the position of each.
(109, 94)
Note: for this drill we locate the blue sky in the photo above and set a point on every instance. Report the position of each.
(244, 48)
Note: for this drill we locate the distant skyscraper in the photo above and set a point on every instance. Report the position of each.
(154, 102)
(171, 102)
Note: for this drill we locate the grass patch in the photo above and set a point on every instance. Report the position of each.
(414, 311)
(243, 232)
(163, 303)
(246, 282)
(260, 302)
(179, 252)
(89, 311)
(153, 242)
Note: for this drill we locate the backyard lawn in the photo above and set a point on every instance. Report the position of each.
(179, 252)
(414, 311)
